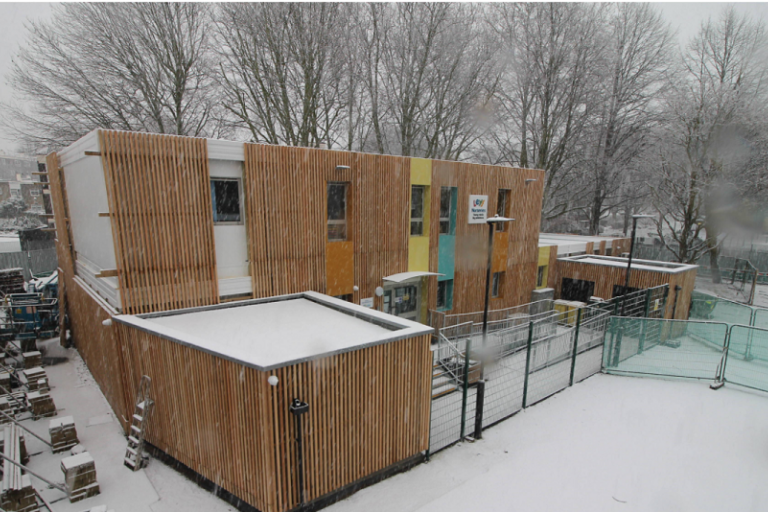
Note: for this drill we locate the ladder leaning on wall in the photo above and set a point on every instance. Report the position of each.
(135, 458)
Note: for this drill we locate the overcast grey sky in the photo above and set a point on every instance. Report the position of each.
(685, 17)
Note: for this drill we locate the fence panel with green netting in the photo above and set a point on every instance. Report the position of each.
(746, 362)
(672, 348)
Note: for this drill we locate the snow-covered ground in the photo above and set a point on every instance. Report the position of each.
(158, 488)
(607, 444)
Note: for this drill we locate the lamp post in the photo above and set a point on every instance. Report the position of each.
(481, 383)
(629, 263)
(491, 224)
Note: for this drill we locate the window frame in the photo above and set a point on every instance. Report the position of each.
(241, 219)
(497, 285)
(446, 191)
(419, 220)
(540, 276)
(447, 295)
(341, 222)
(502, 207)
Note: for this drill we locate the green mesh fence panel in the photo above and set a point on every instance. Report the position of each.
(709, 307)
(672, 348)
(747, 365)
(761, 319)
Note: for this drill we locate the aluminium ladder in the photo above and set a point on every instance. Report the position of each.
(135, 458)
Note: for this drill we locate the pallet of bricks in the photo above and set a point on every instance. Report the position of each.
(17, 494)
(11, 281)
(63, 433)
(80, 476)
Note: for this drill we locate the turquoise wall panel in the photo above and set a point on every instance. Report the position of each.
(446, 257)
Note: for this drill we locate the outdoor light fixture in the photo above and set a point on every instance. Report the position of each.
(530, 180)
(342, 167)
(273, 380)
(481, 384)
(297, 409)
(107, 322)
(629, 263)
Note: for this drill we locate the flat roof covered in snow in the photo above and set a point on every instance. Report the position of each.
(648, 265)
(280, 331)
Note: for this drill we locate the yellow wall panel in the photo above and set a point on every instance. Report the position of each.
(418, 254)
(421, 171)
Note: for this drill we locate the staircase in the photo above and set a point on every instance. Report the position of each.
(135, 458)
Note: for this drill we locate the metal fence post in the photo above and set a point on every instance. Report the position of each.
(575, 345)
(480, 400)
(617, 346)
(527, 363)
(465, 387)
(641, 341)
(727, 350)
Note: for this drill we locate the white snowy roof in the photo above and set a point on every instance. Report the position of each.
(280, 331)
(648, 265)
(567, 244)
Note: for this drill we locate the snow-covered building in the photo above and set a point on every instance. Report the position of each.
(148, 224)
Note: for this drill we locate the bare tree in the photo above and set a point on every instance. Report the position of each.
(715, 112)
(144, 67)
(284, 70)
(550, 92)
(638, 57)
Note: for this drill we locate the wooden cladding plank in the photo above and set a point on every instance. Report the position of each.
(64, 248)
(471, 239)
(286, 217)
(369, 409)
(162, 221)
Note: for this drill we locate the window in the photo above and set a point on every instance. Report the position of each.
(417, 211)
(446, 206)
(15, 193)
(445, 294)
(540, 277)
(497, 285)
(347, 297)
(337, 212)
(502, 208)
(34, 192)
(608, 251)
(225, 196)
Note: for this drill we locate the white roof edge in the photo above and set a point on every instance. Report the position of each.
(405, 276)
(665, 267)
(400, 327)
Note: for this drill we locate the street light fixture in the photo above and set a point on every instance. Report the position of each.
(629, 263)
(491, 224)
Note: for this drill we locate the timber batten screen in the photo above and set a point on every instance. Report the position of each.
(162, 223)
(219, 415)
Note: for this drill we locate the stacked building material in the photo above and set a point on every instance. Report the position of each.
(80, 476)
(6, 408)
(32, 359)
(5, 380)
(35, 379)
(63, 433)
(12, 431)
(17, 493)
(41, 404)
(11, 281)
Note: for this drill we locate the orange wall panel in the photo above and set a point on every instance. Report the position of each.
(339, 268)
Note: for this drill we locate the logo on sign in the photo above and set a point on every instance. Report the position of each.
(478, 209)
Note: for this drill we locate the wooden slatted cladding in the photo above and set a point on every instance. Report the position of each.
(97, 344)
(368, 409)
(606, 277)
(162, 222)
(471, 239)
(285, 196)
(64, 250)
